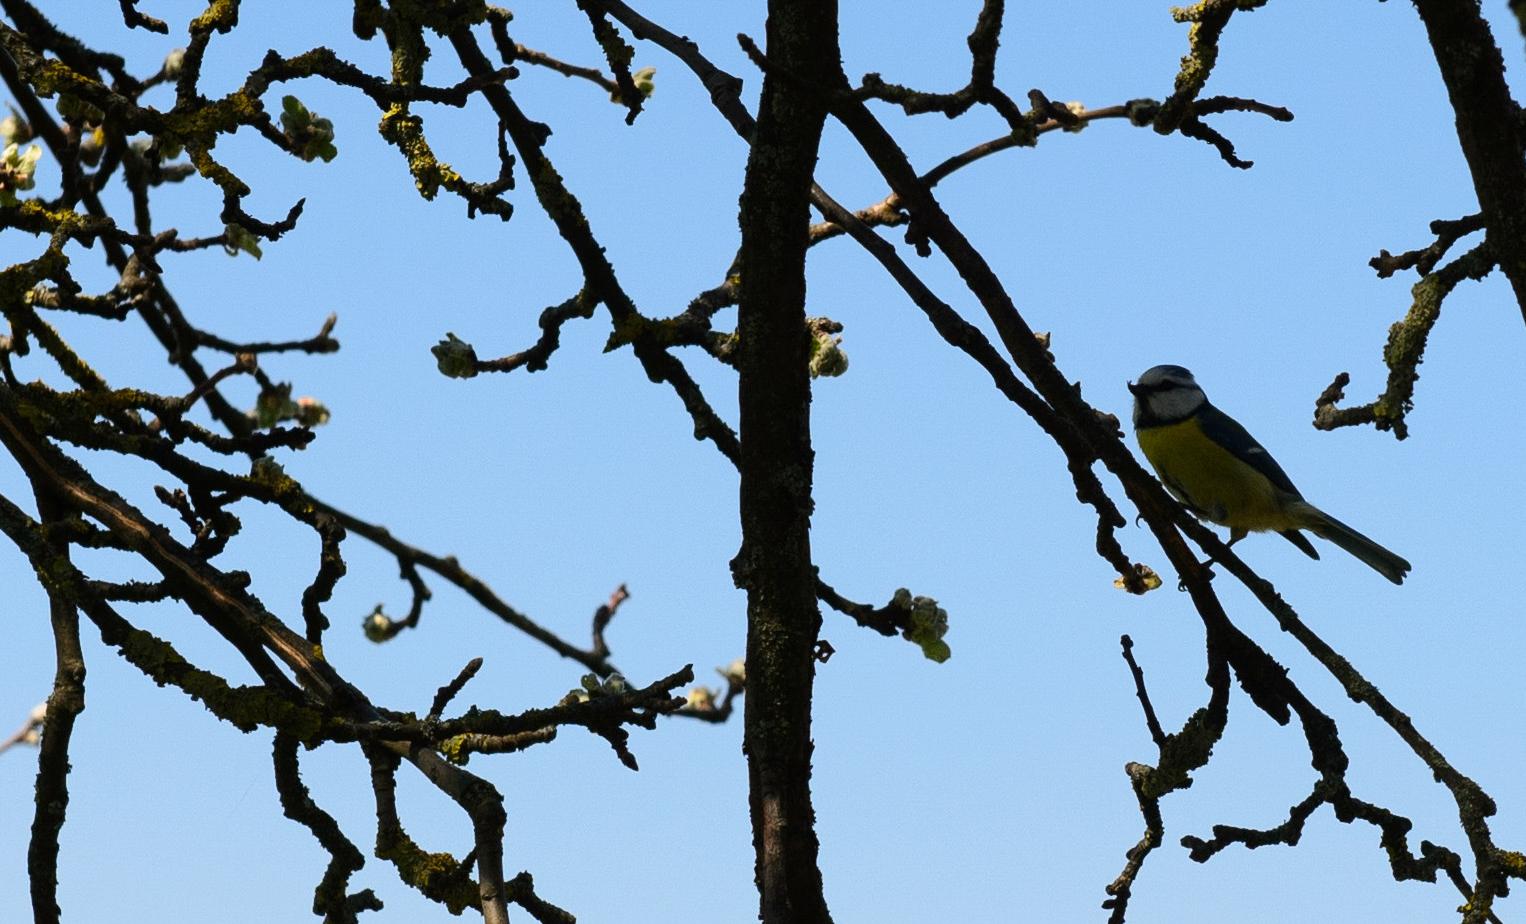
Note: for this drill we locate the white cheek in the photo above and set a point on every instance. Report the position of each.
(1175, 404)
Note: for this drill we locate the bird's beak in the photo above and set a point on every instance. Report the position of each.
(1135, 390)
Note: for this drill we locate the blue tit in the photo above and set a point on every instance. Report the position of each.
(1221, 474)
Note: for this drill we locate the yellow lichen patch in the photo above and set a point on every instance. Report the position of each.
(439, 876)
(406, 132)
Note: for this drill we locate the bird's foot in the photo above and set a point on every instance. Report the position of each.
(1206, 569)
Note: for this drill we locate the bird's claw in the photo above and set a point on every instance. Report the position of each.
(1206, 569)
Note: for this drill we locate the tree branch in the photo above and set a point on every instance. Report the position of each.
(65, 703)
(1488, 127)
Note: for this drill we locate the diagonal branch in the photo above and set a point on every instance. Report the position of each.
(1407, 340)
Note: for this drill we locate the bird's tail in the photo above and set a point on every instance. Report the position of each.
(1373, 555)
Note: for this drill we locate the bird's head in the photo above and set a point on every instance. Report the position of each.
(1165, 394)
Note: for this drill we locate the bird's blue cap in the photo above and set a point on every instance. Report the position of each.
(1156, 376)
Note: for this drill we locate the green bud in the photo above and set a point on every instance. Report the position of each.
(928, 624)
(1077, 108)
(735, 672)
(237, 238)
(266, 470)
(14, 129)
(275, 405)
(311, 412)
(311, 137)
(294, 115)
(645, 80)
(700, 699)
(17, 169)
(271, 406)
(828, 359)
(173, 62)
(455, 357)
(378, 625)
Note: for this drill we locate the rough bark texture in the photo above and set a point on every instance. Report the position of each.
(66, 701)
(1488, 126)
(774, 564)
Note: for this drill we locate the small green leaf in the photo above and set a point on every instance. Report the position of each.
(310, 136)
(645, 80)
(936, 651)
(292, 111)
(237, 238)
(273, 405)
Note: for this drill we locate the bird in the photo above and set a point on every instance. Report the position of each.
(1208, 461)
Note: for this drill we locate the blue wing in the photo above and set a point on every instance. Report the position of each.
(1227, 432)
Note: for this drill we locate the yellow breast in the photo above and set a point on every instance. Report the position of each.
(1208, 477)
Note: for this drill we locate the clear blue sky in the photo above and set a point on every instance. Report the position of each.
(986, 789)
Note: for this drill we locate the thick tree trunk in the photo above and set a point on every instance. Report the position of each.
(774, 564)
